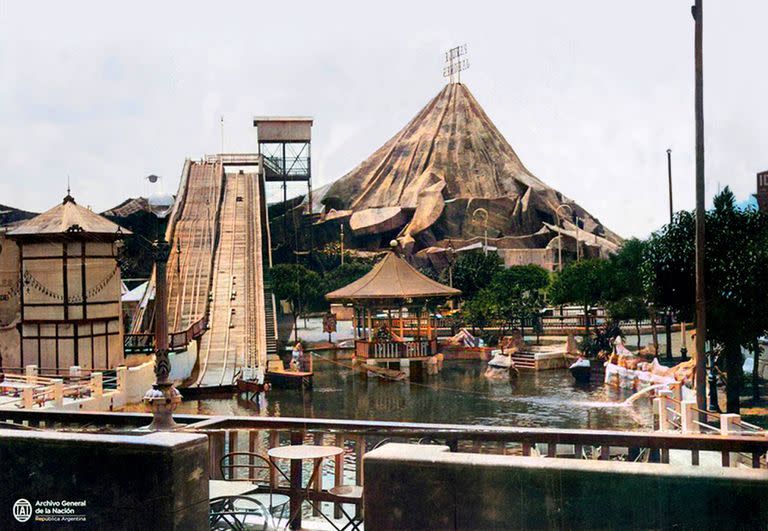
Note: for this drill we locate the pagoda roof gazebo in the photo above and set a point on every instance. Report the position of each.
(391, 285)
(70, 287)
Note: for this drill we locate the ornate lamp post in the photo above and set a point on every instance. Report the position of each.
(163, 398)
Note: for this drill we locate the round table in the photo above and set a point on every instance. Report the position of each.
(298, 453)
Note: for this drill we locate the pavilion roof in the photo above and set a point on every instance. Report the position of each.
(392, 278)
(66, 218)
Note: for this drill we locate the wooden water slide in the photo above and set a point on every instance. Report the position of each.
(215, 273)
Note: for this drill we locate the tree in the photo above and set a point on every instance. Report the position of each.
(624, 291)
(473, 271)
(297, 285)
(480, 310)
(344, 274)
(519, 294)
(583, 283)
(736, 271)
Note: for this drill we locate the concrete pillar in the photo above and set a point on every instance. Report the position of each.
(122, 378)
(405, 366)
(58, 392)
(97, 388)
(30, 373)
(27, 397)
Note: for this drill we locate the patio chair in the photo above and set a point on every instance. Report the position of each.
(239, 513)
(254, 469)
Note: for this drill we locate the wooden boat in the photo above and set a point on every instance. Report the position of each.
(288, 379)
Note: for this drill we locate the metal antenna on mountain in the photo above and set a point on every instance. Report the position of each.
(455, 63)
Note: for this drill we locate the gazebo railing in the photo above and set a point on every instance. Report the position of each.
(395, 349)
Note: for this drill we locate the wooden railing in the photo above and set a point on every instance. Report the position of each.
(548, 442)
(258, 434)
(395, 349)
(177, 341)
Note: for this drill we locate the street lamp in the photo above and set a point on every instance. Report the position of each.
(341, 241)
(451, 259)
(163, 398)
(484, 213)
(560, 234)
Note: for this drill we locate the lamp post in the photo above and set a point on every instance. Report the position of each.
(701, 313)
(668, 316)
(341, 241)
(484, 213)
(163, 398)
(560, 235)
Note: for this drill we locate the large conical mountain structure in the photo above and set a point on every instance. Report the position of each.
(427, 182)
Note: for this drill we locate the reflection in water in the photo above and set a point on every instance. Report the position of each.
(459, 394)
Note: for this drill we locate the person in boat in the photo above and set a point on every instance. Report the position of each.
(296, 356)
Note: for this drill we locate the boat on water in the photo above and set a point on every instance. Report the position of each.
(581, 370)
(500, 366)
(289, 379)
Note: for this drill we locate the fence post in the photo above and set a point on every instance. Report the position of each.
(122, 377)
(97, 384)
(27, 395)
(74, 372)
(659, 404)
(729, 426)
(729, 423)
(30, 372)
(58, 392)
(687, 417)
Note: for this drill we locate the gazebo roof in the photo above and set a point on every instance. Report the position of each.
(392, 278)
(68, 218)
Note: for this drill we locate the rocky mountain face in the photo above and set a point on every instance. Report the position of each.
(429, 180)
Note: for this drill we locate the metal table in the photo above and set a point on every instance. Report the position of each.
(296, 454)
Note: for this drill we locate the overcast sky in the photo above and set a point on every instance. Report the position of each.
(590, 94)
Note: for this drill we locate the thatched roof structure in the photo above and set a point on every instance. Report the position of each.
(392, 279)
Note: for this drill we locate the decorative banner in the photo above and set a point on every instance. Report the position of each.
(329, 322)
(31, 282)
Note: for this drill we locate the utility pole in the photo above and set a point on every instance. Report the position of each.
(668, 316)
(701, 314)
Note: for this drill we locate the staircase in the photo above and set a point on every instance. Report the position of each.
(524, 360)
(271, 321)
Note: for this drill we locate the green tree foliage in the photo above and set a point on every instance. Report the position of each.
(583, 283)
(300, 286)
(736, 276)
(511, 296)
(474, 270)
(344, 274)
(624, 295)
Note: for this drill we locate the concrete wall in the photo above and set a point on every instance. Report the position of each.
(129, 482)
(417, 487)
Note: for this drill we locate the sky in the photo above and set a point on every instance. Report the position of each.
(590, 94)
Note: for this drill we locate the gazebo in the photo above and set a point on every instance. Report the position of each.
(393, 284)
(70, 289)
